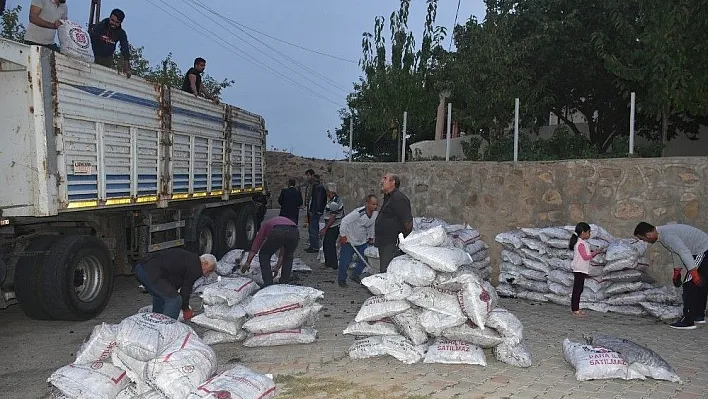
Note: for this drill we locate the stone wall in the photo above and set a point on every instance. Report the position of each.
(497, 197)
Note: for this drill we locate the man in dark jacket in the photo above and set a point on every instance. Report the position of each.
(164, 272)
(105, 35)
(315, 209)
(394, 217)
(290, 201)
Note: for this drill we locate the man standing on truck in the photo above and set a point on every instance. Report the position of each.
(164, 272)
(45, 17)
(276, 234)
(394, 217)
(105, 35)
(192, 82)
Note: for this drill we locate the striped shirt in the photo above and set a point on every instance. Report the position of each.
(687, 244)
(335, 207)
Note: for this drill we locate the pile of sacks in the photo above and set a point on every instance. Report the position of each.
(459, 236)
(431, 305)
(230, 264)
(536, 266)
(149, 355)
(236, 310)
(608, 357)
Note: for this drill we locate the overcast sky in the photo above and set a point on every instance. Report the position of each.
(298, 96)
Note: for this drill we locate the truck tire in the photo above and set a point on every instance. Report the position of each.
(77, 278)
(226, 232)
(205, 233)
(28, 277)
(247, 226)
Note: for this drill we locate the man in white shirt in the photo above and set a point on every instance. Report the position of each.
(45, 17)
(356, 231)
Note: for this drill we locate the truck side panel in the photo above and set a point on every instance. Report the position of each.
(26, 131)
(109, 135)
(198, 146)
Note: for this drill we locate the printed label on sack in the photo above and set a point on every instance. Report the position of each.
(157, 318)
(602, 356)
(79, 37)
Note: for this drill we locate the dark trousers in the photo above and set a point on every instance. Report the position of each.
(578, 286)
(165, 299)
(280, 237)
(386, 254)
(290, 214)
(313, 230)
(329, 247)
(694, 297)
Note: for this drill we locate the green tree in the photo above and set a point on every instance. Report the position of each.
(661, 49)
(395, 80)
(10, 26)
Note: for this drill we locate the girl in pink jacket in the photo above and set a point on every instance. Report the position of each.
(581, 264)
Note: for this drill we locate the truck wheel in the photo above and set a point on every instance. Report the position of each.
(28, 277)
(206, 232)
(226, 232)
(77, 278)
(247, 226)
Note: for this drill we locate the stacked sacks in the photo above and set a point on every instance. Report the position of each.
(282, 314)
(458, 236)
(224, 312)
(147, 355)
(229, 266)
(431, 306)
(536, 266)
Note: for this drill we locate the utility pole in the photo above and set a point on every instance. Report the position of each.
(2, 6)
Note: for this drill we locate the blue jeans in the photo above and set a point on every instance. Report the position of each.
(313, 230)
(162, 302)
(346, 254)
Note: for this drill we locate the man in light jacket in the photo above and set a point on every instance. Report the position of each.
(356, 231)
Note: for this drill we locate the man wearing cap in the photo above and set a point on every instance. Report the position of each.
(276, 234)
(104, 37)
(333, 214)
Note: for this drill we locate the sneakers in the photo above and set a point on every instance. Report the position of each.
(356, 279)
(700, 320)
(342, 284)
(683, 325)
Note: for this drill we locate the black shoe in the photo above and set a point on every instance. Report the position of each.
(311, 250)
(683, 325)
(342, 284)
(356, 279)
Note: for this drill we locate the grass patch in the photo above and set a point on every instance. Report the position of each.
(295, 386)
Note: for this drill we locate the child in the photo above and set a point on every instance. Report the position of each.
(580, 264)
